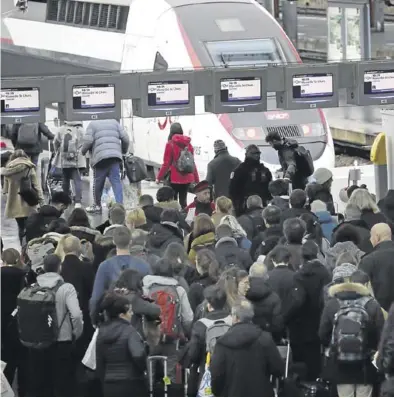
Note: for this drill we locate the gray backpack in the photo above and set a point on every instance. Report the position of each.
(185, 162)
(28, 134)
(215, 329)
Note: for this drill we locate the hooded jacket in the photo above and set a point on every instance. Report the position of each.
(219, 171)
(229, 254)
(105, 139)
(203, 241)
(171, 155)
(173, 204)
(161, 236)
(327, 223)
(243, 361)
(121, 354)
(14, 171)
(267, 307)
(67, 306)
(320, 192)
(334, 252)
(351, 373)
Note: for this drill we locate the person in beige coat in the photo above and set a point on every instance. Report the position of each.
(19, 166)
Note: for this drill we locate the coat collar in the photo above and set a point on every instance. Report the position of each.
(348, 287)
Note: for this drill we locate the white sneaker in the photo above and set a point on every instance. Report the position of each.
(77, 206)
(94, 209)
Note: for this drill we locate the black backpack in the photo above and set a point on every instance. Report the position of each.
(37, 316)
(304, 161)
(135, 168)
(258, 225)
(349, 335)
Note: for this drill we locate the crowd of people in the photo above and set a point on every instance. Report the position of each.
(257, 287)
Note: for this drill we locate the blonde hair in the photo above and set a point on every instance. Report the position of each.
(71, 245)
(136, 217)
(362, 200)
(224, 205)
(60, 247)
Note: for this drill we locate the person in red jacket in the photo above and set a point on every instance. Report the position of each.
(202, 202)
(179, 182)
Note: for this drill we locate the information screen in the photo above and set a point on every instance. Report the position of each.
(94, 96)
(313, 85)
(240, 89)
(168, 93)
(20, 100)
(379, 82)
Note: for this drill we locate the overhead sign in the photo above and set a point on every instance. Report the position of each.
(375, 84)
(91, 98)
(309, 87)
(237, 91)
(165, 94)
(21, 102)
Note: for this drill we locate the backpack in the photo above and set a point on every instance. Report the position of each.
(215, 329)
(135, 168)
(37, 316)
(70, 144)
(229, 260)
(258, 225)
(349, 336)
(185, 163)
(28, 134)
(304, 161)
(167, 298)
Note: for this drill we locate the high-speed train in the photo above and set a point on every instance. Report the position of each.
(176, 34)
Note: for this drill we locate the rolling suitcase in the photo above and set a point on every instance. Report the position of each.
(166, 380)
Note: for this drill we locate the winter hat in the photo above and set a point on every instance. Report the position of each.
(322, 175)
(343, 271)
(165, 194)
(219, 145)
(318, 205)
(201, 186)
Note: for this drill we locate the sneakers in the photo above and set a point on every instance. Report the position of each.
(77, 206)
(94, 209)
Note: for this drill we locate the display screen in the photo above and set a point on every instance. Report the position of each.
(168, 93)
(379, 82)
(240, 89)
(20, 100)
(94, 96)
(313, 85)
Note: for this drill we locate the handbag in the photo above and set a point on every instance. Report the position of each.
(89, 359)
(27, 192)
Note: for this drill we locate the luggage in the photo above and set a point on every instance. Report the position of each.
(185, 162)
(215, 329)
(304, 161)
(166, 379)
(135, 168)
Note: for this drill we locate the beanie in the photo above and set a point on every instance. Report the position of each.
(322, 175)
(318, 205)
(343, 271)
(219, 145)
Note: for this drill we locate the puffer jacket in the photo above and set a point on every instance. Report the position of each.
(105, 139)
(171, 155)
(13, 173)
(120, 352)
(68, 140)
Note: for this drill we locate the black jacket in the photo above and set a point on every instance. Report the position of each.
(380, 268)
(363, 233)
(120, 352)
(319, 192)
(350, 373)
(229, 254)
(385, 360)
(386, 205)
(267, 307)
(161, 236)
(196, 291)
(31, 149)
(265, 241)
(281, 201)
(250, 178)
(293, 212)
(219, 172)
(37, 223)
(295, 259)
(243, 362)
(303, 317)
(252, 222)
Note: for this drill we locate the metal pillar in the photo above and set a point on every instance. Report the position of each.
(377, 15)
(289, 20)
(388, 128)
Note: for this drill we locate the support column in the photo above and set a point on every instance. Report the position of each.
(289, 20)
(388, 128)
(377, 15)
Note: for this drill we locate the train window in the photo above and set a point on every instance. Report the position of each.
(160, 62)
(230, 25)
(244, 52)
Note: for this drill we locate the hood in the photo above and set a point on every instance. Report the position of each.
(53, 236)
(50, 211)
(108, 230)
(150, 280)
(258, 289)
(86, 230)
(324, 217)
(111, 331)
(172, 204)
(49, 279)
(204, 239)
(221, 152)
(348, 289)
(160, 233)
(181, 140)
(342, 247)
(226, 239)
(17, 166)
(240, 336)
(290, 144)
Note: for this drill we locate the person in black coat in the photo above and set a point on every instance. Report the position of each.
(356, 375)
(386, 205)
(288, 159)
(298, 200)
(152, 212)
(250, 178)
(228, 253)
(378, 265)
(245, 358)
(220, 169)
(385, 360)
(266, 303)
(252, 221)
(279, 190)
(303, 318)
(120, 352)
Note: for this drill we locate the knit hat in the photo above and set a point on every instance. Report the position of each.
(318, 205)
(343, 271)
(219, 145)
(322, 175)
(201, 186)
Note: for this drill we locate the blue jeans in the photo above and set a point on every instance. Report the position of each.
(112, 171)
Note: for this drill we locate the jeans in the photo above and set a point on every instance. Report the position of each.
(112, 171)
(75, 175)
(181, 193)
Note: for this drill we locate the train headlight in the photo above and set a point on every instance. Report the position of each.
(313, 130)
